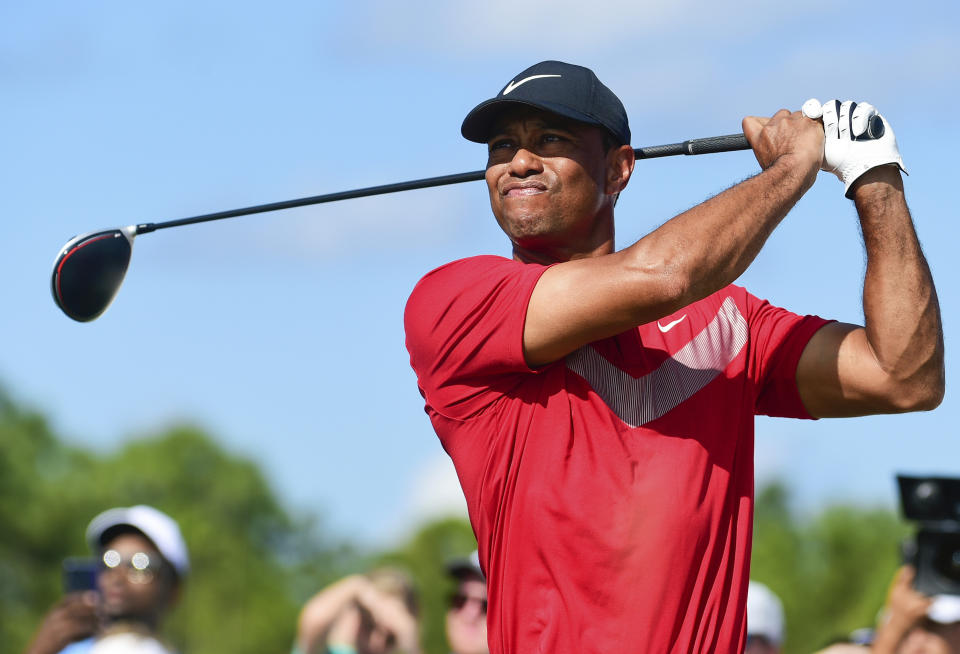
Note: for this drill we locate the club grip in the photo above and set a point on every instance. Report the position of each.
(712, 144)
(726, 143)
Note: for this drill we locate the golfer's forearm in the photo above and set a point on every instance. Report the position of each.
(688, 258)
(901, 311)
(709, 246)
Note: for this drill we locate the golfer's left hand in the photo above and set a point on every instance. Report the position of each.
(857, 139)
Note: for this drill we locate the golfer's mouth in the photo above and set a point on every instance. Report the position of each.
(523, 189)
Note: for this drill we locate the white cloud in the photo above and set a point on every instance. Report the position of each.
(570, 26)
(693, 57)
(434, 493)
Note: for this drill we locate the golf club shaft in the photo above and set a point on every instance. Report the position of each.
(727, 143)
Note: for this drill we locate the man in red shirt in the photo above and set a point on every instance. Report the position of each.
(598, 404)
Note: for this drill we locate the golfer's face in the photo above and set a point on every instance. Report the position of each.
(546, 178)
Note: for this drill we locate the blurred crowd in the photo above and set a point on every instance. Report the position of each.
(141, 562)
(116, 601)
(909, 623)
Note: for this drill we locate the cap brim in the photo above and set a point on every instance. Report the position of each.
(479, 123)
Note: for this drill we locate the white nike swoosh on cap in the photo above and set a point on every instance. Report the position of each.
(670, 325)
(512, 85)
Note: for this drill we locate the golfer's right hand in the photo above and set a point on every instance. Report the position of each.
(786, 137)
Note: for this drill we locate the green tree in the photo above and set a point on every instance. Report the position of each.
(250, 557)
(41, 521)
(831, 570)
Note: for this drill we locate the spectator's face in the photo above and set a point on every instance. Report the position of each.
(932, 638)
(373, 637)
(760, 645)
(467, 617)
(134, 581)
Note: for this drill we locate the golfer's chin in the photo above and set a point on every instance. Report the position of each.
(527, 217)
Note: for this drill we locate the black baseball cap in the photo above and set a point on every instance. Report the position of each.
(564, 89)
(465, 566)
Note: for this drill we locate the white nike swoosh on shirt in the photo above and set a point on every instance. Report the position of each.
(512, 85)
(670, 325)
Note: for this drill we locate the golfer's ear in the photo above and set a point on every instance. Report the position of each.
(620, 163)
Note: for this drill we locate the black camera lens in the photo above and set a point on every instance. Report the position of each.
(946, 561)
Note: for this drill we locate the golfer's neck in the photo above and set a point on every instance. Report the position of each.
(547, 255)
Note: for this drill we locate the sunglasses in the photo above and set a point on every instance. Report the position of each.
(139, 567)
(459, 600)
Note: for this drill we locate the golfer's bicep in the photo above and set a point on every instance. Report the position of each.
(838, 375)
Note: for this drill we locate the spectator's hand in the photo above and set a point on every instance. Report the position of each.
(319, 615)
(390, 614)
(320, 620)
(905, 608)
(905, 601)
(73, 618)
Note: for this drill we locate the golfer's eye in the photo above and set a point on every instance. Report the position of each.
(551, 138)
(500, 144)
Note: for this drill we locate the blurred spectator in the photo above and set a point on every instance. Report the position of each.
(142, 561)
(859, 640)
(467, 611)
(913, 623)
(845, 648)
(765, 630)
(372, 613)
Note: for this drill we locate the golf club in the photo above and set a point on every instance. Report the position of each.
(89, 269)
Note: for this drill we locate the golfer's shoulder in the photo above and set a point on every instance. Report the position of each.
(736, 302)
(469, 267)
(463, 288)
(739, 296)
(454, 277)
(732, 304)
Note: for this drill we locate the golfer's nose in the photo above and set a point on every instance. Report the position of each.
(525, 163)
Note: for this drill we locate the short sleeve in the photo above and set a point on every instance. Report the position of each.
(464, 331)
(778, 338)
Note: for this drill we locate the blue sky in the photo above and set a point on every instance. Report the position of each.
(282, 333)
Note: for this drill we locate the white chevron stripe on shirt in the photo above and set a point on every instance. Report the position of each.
(637, 401)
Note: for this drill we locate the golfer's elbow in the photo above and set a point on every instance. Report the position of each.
(922, 391)
(661, 282)
(930, 393)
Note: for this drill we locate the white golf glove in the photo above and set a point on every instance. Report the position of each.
(857, 139)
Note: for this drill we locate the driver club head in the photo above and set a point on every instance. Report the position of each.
(88, 271)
